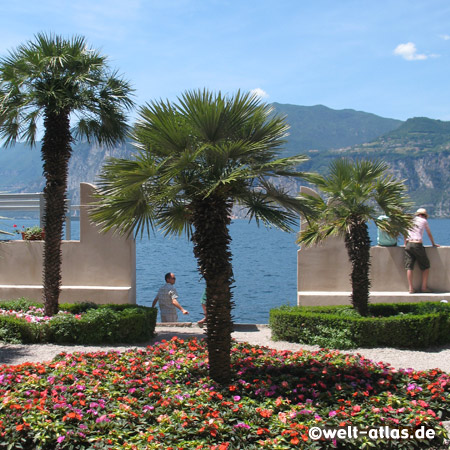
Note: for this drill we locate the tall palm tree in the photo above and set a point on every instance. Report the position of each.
(59, 80)
(199, 157)
(356, 192)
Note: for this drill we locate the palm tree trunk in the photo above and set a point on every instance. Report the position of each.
(357, 242)
(211, 219)
(56, 151)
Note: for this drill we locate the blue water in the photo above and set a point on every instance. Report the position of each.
(264, 264)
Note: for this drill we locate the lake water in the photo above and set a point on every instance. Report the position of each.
(264, 264)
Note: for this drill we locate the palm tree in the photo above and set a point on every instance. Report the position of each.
(59, 80)
(357, 192)
(197, 159)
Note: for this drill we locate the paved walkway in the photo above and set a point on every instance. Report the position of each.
(438, 357)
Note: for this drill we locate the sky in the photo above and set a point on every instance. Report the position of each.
(387, 57)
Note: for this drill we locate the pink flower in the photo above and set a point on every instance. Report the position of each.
(103, 418)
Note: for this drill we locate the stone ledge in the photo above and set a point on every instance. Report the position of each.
(38, 286)
(236, 326)
(72, 294)
(326, 298)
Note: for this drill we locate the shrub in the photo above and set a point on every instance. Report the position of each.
(407, 325)
(86, 323)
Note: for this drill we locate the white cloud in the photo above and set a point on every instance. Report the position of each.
(446, 37)
(408, 51)
(258, 92)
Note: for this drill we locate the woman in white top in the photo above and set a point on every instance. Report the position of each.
(414, 249)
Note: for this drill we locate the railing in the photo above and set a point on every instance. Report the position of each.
(34, 202)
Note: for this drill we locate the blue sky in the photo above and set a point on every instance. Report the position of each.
(388, 57)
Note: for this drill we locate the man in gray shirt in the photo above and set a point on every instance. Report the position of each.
(167, 297)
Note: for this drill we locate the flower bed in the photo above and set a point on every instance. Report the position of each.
(401, 325)
(22, 321)
(161, 398)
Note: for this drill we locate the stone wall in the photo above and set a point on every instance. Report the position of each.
(100, 267)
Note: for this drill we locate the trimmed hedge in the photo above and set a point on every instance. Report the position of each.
(401, 325)
(86, 324)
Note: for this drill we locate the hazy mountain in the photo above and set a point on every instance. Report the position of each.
(21, 167)
(418, 151)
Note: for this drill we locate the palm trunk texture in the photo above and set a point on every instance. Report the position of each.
(211, 219)
(357, 242)
(56, 151)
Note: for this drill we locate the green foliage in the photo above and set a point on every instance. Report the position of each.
(18, 331)
(402, 325)
(78, 323)
(19, 304)
(31, 233)
(66, 330)
(206, 145)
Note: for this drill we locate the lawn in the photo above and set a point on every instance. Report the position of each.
(161, 398)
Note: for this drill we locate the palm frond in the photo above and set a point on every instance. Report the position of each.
(58, 75)
(357, 191)
(124, 214)
(175, 219)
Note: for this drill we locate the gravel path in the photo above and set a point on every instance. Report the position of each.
(254, 334)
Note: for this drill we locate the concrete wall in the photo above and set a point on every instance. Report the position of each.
(100, 267)
(323, 274)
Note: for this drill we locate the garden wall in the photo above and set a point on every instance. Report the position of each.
(100, 267)
(323, 274)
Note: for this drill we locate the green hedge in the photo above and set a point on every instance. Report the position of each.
(402, 325)
(86, 324)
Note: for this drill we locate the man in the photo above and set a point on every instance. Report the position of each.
(414, 249)
(168, 300)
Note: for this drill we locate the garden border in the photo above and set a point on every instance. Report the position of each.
(399, 325)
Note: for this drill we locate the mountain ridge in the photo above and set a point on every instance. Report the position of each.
(417, 150)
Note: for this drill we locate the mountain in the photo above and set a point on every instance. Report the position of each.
(418, 151)
(321, 128)
(21, 167)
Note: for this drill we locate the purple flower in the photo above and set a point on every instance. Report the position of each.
(241, 425)
(60, 439)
